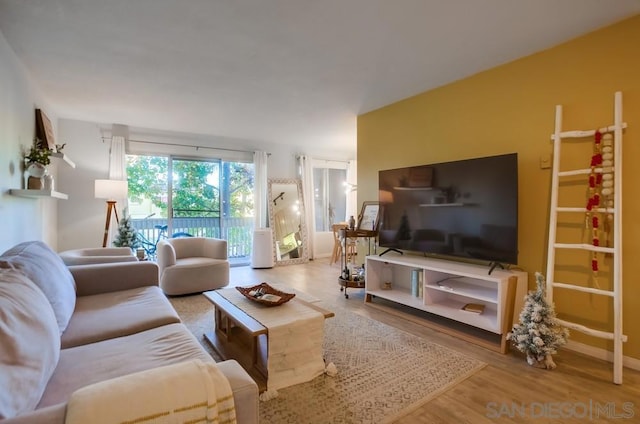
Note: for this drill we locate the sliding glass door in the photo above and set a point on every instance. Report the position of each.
(198, 197)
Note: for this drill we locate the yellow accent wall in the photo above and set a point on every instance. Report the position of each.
(511, 108)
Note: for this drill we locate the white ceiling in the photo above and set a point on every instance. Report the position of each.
(282, 71)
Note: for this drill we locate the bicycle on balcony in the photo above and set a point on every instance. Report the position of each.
(150, 247)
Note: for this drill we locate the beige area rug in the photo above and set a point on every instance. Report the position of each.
(383, 373)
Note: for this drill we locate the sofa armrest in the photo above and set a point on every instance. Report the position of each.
(215, 248)
(165, 254)
(111, 277)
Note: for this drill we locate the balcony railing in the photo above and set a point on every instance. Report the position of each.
(237, 231)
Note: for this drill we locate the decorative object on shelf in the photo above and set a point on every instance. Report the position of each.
(352, 223)
(386, 277)
(44, 131)
(368, 218)
(539, 334)
(415, 282)
(36, 162)
(127, 234)
(38, 155)
(266, 295)
(48, 182)
(110, 190)
(476, 308)
(35, 173)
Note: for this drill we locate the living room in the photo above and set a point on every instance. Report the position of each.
(508, 108)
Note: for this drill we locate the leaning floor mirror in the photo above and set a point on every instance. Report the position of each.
(286, 218)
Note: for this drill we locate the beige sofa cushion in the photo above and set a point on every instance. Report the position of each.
(45, 268)
(29, 343)
(83, 365)
(109, 315)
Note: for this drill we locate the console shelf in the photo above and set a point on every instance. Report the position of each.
(447, 287)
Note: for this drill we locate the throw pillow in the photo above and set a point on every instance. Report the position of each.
(30, 346)
(45, 268)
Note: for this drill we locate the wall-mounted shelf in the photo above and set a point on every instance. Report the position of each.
(32, 193)
(39, 193)
(64, 157)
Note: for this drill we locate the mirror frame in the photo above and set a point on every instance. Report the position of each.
(303, 225)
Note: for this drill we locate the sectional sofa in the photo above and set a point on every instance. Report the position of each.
(66, 328)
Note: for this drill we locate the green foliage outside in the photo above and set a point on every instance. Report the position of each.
(201, 189)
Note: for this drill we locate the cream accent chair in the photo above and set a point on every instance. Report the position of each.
(192, 264)
(98, 255)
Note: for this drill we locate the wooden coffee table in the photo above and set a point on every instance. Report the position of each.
(239, 336)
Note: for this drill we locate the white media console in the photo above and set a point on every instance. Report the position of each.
(446, 287)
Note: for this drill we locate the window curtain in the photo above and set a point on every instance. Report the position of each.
(352, 190)
(260, 189)
(305, 170)
(117, 171)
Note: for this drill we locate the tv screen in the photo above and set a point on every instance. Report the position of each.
(466, 209)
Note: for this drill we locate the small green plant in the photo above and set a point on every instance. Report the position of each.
(38, 154)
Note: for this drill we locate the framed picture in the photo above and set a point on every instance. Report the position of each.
(368, 218)
(44, 130)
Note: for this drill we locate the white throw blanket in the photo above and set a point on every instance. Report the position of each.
(193, 391)
(296, 335)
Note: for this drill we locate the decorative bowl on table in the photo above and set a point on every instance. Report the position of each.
(266, 295)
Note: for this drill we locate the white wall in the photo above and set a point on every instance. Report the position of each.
(81, 218)
(21, 219)
(79, 221)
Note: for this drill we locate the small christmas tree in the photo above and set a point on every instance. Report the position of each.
(539, 333)
(127, 234)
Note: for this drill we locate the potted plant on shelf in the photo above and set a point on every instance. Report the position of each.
(36, 162)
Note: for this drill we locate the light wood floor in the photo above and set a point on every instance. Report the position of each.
(507, 390)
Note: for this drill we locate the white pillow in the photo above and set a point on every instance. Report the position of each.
(45, 268)
(29, 344)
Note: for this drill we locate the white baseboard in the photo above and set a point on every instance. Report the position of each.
(603, 354)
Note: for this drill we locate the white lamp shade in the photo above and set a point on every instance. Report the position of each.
(111, 189)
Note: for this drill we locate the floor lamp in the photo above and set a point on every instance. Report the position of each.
(110, 190)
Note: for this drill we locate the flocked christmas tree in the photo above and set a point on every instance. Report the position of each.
(127, 234)
(539, 334)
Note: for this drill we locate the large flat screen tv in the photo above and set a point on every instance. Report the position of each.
(463, 209)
